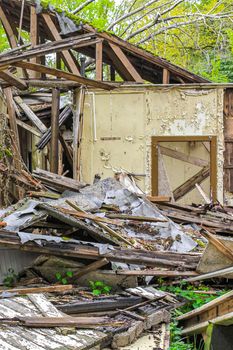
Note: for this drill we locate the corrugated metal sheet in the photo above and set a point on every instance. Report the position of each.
(14, 259)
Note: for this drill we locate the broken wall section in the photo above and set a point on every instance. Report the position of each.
(118, 127)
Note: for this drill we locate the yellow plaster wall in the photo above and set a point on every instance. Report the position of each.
(118, 126)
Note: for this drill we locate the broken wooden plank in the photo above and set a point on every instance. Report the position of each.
(37, 51)
(117, 236)
(30, 114)
(13, 80)
(65, 321)
(66, 75)
(136, 218)
(106, 304)
(89, 268)
(221, 247)
(60, 183)
(156, 273)
(46, 137)
(47, 289)
(157, 199)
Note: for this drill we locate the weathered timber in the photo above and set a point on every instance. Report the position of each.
(60, 183)
(116, 236)
(66, 75)
(46, 137)
(189, 185)
(221, 247)
(13, 80)
(182, 156)
(100, 305)
(47, 48)
(30, 114)
(54, 131)
(36, 290)
(66, 321)
(89, 268)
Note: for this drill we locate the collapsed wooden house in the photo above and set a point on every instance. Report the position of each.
(135, 112)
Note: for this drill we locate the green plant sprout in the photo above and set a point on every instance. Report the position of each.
(99, 287)
(64, 279)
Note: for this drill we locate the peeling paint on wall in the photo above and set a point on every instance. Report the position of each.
(135, 114)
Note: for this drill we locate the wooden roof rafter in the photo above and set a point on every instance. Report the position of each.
(132, 63)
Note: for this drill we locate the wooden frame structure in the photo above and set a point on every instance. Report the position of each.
(130, 62)
(206, 171)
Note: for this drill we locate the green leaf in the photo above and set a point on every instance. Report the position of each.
(99, 284)
(58, 276)
(96, 292)
(69, 273)
(64, 281)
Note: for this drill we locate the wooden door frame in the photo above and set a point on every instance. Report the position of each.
(155, 140)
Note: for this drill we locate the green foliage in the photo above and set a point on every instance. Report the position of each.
(64, 278)
(10, 278)
(5, 152)
(195, 300)
(99, 287)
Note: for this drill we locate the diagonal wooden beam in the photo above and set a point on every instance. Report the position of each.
(13, 80)
(189, 185)
(68, 58)
(122, 64)
(8, 28)
(66, 75)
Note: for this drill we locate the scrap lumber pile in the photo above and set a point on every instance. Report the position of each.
(102, 232)
(83, 321)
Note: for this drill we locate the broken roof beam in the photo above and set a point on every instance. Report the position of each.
(66, 75)
(122, 64)
(48, 48)
(30, 114)
(67, 56)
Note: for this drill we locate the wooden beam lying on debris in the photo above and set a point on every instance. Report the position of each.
(89, 268)
(36, 290)
(66, 75)
(87, 250)
(58, 182)
(66, 321)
